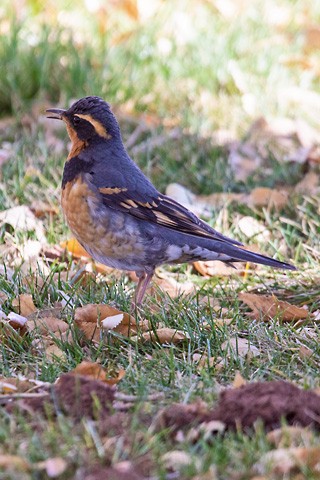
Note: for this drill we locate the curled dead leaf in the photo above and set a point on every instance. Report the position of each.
(53, 352)
(163, 335)
(212, 268)
(48, 325)
(176, 460)
(290, 436)
(14, 462)
(92, 319)
(267, 197)
(21, 218)
(74, 248)
(23, 304)
(251, 227)
(309, 185)
(267, 307)
(238, 380)
(78, 252)
(237, 346)
(284, 461)
(171, 287)
(96, 371)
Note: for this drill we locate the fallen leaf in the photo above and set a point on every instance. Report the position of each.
(285, 461)
(290, 436)
(14, 462)
(252, 228)
(176, 460)
(41, 209)
(3, 297)
(96, 371)
(78, 252)
(266, 197)
(24, 305)
(92, 318)
(173, 288)
(309, 185)
(21, 218)
(74, 248)
(13, 384)
(268, 307)
(47, 325)
(305, 352)
(312, 37)
(241, 347)
(17, 321)
(238, 380)
(109, 323)
(53, 352)
(213, 268)
(203, 361)
(163, 335)
(55, 466)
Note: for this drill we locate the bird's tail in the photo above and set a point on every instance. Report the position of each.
(237, 253)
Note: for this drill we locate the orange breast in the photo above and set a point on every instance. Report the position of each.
(104, 234)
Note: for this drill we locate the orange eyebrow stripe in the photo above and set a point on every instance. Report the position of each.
(99, 128)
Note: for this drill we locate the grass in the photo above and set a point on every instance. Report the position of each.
(197, 89)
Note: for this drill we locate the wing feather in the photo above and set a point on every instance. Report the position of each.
(161, 210)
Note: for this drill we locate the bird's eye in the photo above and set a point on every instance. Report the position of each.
(76, 120)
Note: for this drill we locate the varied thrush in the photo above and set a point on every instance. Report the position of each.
(116, 213)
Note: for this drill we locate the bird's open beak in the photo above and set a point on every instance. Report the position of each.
(58, 113)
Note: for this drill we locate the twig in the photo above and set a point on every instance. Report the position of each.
(137, 132)
(18, 396)
(156, 141)
(122, 397)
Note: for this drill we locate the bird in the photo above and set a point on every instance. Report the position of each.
(117, 214)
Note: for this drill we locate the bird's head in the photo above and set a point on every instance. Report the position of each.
(88, 118)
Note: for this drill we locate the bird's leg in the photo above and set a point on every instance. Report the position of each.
(144, 280)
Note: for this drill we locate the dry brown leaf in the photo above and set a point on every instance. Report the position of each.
(171, 287)
(176, 460)
(240, 347)
(267, 307)
(24, 305)
(238, 380)
(96, 371)
(21, 218)
(251, 227)
(92, 317)
(267, 197)
(308, 185)
(284, 461)
(312, 37)
(211, 474)
(16, 385)
(14, 462)
(212, 268)
(78, 252)
(163, 335)
(305, 352)
(3, 297)
(41, 209)
(131, 8)
(203, 361)
(290, 436)
(18, 322)
(74, 248)
(47, 325)
(53, 352)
